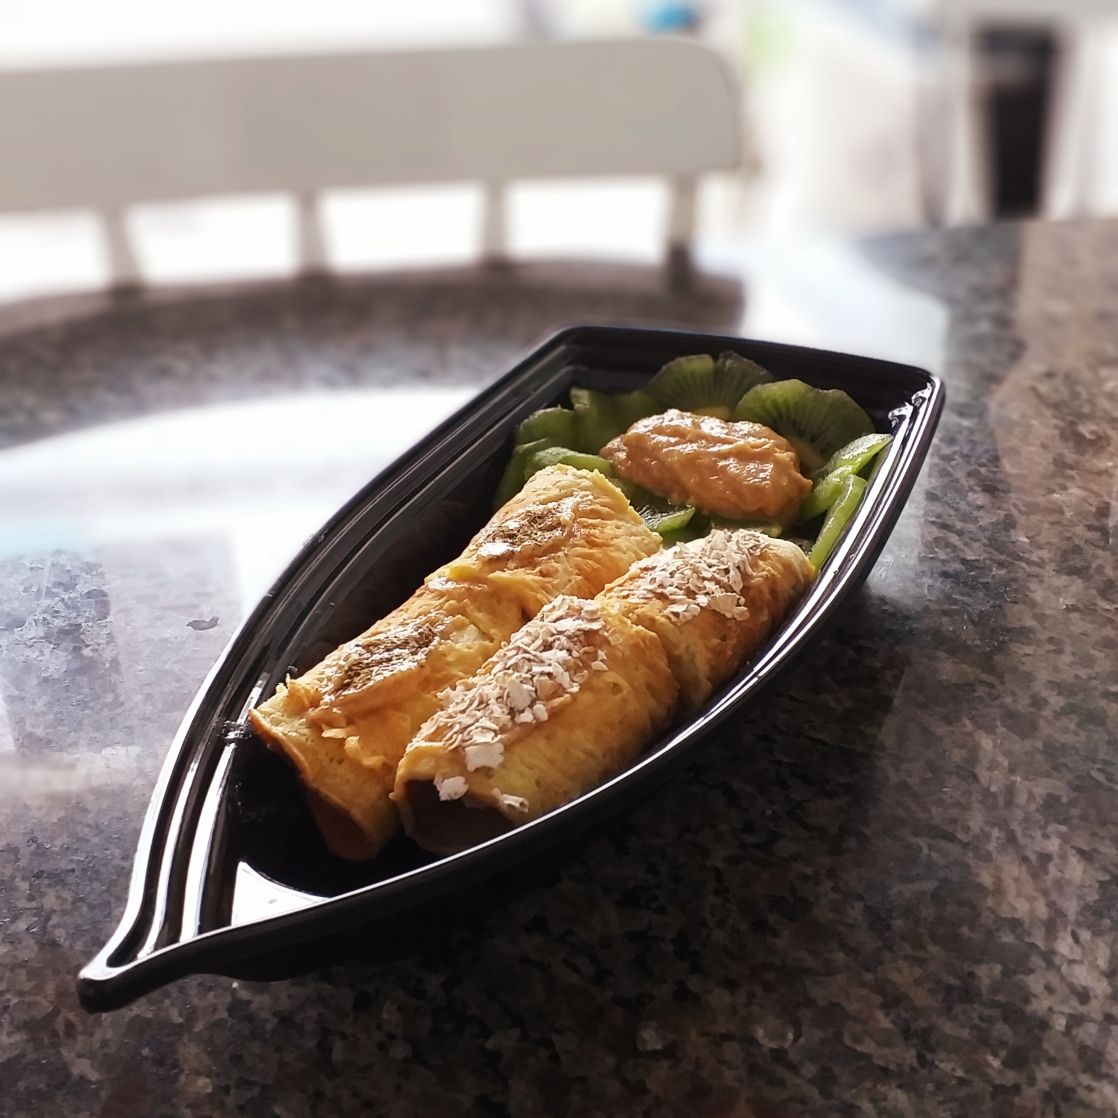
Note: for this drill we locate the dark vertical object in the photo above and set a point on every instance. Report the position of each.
(1018, 67)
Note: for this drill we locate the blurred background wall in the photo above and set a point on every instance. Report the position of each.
(860, 116)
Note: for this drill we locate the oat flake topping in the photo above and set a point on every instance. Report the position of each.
(451, 787)
(701, 574)
(548, 658)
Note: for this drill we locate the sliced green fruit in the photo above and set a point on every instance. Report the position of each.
(601, 416)
(824, 493)
(857, 455)
(658, 514)
(671, 519)
(547, 423)
(704, 384)
(817, 422)
(681, 535)
(830, 480)
(563, 456)
(838, 516)
(512, 480)
(748, 373)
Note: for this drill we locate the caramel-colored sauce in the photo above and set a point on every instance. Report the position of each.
(742, 471)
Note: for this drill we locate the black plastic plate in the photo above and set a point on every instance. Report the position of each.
(230, 869)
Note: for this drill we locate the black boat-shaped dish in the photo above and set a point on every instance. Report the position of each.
(231, 875)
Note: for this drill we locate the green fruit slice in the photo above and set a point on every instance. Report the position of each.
(706, 385)
(815, 421)
(657, 513)
(732, 364)
(856, 456)
(602, 416)
(837, 519)
(831, 479)
(671, 519)
(669, 538)
(512, 480)
(563, 456)
(548, 423)
(824, 493)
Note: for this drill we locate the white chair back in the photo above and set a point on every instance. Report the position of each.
(113, 137)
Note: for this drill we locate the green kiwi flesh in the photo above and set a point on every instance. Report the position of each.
(602, 416)
(857, 455)
(838, 516)
(656, 512)
(563, 456)
(547, 423)
(671, 519)
(706, 385)
(824, 493)
(512, 480)
(816, 421)
(670, 537)
(853, 458)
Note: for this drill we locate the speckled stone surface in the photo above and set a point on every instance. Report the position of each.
(891, 888)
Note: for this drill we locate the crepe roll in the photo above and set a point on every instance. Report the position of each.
(567, 531)
(712, 602)
(572, 699)
(345, 723)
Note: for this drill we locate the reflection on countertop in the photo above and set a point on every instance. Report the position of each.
(888, 889)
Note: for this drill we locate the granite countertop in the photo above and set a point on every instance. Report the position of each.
(890, 888)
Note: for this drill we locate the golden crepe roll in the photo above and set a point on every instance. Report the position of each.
(559, 535)
(712, 602)
(345, 723)
(572, 699)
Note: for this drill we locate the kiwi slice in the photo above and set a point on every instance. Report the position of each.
(746, 372)
(670, 537)
(601, 416)
(671, 519)
(857, 455)
(658, 514)
(512, 480)
(816, 421)
(563, 456)
(824, 493)
(706, 385)
(547, 423)
(830, 480)
(838, 516)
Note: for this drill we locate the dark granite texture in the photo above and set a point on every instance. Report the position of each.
(890, 889)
